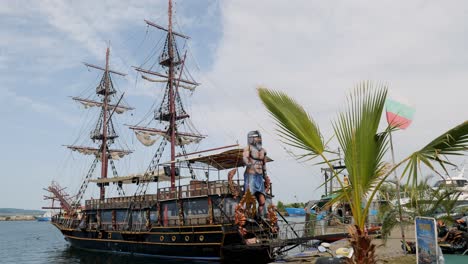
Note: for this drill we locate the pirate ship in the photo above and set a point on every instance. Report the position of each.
(192, 218)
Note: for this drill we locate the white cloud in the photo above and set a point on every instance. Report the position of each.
(93, 28)
(22, 102)
(43, 45)
(317, 51)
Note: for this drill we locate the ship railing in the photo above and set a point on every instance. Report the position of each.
(197, 220)
(305, 231)
(107, 226)
(120, 202)
(194, 189)
(71, 223)
(65, 221)
(224, 219)
(309, 229)
(141, 226)
(121, 226)
(262, 229)
(187, 221)
(137, 227)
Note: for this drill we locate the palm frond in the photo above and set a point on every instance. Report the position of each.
(389, 217)
(451, 143)
(363, 147)
(295, 127)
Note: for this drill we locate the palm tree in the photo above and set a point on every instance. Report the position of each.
(425, 201)
(364, 148)
(388, 211)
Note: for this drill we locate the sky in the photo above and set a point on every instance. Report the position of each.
(315, 51)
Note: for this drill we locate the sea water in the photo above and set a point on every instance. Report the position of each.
(31, 242)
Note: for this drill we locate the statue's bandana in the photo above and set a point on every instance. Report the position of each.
(251, 139)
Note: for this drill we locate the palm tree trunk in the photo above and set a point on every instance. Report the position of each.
(364, 250)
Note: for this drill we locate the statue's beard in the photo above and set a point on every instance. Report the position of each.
(257, 145)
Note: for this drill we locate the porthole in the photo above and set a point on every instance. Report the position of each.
(201, 238)
(187, 238)
(161, 238)
(99, 235)
(109, 236)
(173, 238)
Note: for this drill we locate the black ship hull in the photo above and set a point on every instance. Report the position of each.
(219, 243)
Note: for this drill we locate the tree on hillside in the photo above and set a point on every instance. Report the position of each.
(280, 206)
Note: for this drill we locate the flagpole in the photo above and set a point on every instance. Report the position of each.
(398, 195)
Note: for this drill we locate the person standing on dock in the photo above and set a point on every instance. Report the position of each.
(321, 215)
(255, 174)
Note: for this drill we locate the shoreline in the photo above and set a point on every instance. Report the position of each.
(18, 218)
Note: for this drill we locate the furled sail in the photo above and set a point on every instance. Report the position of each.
(115, 154)
(187, 140)
(145, 138)
(138, 177)
(90, 103)
(148, 136)
(190, 88)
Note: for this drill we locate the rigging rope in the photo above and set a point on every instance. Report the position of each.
(142, 187)
(114, 172)
(84, 186)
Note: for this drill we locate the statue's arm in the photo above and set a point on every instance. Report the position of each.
(246, 157)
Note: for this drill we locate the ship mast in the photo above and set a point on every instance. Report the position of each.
(172, 111)
(104, 162)
(104, 131)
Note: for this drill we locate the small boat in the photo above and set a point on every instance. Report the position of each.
(295, 211)
(457, 183)
(46, 217)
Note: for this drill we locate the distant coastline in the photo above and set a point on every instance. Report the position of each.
(18, 218)
(14, 214)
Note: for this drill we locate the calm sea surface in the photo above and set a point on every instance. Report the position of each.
(32, 242)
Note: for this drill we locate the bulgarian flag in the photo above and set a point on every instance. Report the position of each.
(399, 114)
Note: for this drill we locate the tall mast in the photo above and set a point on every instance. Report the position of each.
(103, 133)
(104, 128)
(172, 111)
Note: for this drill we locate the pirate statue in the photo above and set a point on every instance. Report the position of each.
(255, 175)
